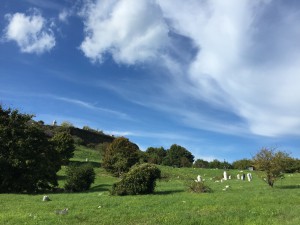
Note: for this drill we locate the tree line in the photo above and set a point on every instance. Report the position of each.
(30, 158)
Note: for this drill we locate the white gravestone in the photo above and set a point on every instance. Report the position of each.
(225, 175)
(46, 198)
(249, 176)
(199, 179)
(238, 176)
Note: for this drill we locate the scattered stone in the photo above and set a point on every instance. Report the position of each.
(225, 175)
(62, 212)
(46, 198)
(249, 176)
(243, 176)
(199, 179)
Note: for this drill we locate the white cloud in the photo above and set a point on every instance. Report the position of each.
(247, 61)
(31, 32)
(63, 15)
(245, 68)
(131, 31)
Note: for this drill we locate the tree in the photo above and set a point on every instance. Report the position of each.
(66, 124)
(271, 163)
(120, 155)
(200, 163)
(215, 164)
(155, 155)
(178, 156)
(242, 164)
(293, 165)
(63, 143)
(28, 161)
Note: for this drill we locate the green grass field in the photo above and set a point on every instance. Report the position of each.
(243, 203)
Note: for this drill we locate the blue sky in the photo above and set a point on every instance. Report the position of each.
(220, 78)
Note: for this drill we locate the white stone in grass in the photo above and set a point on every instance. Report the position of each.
(199, 178)
(46, 198)
(62, 212)
(238, 176)
(249, 176)
(225, 175)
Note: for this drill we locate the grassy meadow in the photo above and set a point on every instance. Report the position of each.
(242, 203)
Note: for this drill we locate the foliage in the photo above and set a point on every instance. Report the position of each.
(242, 164)
(219, 165)
(28, 161)
(293, 165)
(77, 140)
(271, 163)
(200, 163)
(178, 156)
(79, 178)
(120, 155)
(198, 187)
(64, 144)
(66, 124)
(90, 136)
(155, 155)
(242, 203)
(141, 179)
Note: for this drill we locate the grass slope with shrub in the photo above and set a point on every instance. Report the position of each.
(242, 203)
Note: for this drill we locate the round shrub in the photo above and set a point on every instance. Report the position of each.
(79, 178)
(141, 179)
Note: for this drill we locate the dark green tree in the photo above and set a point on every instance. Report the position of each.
(293, 165)
(178, 156)
(120, 155)
(270, 164)
(63, 143)
(155, 155)
(28, 161)
(242, 164)
(215, 164)
(200, 163)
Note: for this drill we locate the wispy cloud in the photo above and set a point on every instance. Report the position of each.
(90, 106)
(245, 64)
(48, 4)
(31, 32)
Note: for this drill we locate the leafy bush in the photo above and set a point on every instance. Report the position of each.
(198, 187)
(141, 179)
(79, 178)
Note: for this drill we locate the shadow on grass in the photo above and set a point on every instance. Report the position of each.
(167, 192)
(288, 187)
(99, 188)
(79, 163)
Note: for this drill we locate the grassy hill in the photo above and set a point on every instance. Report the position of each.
(242, 203)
